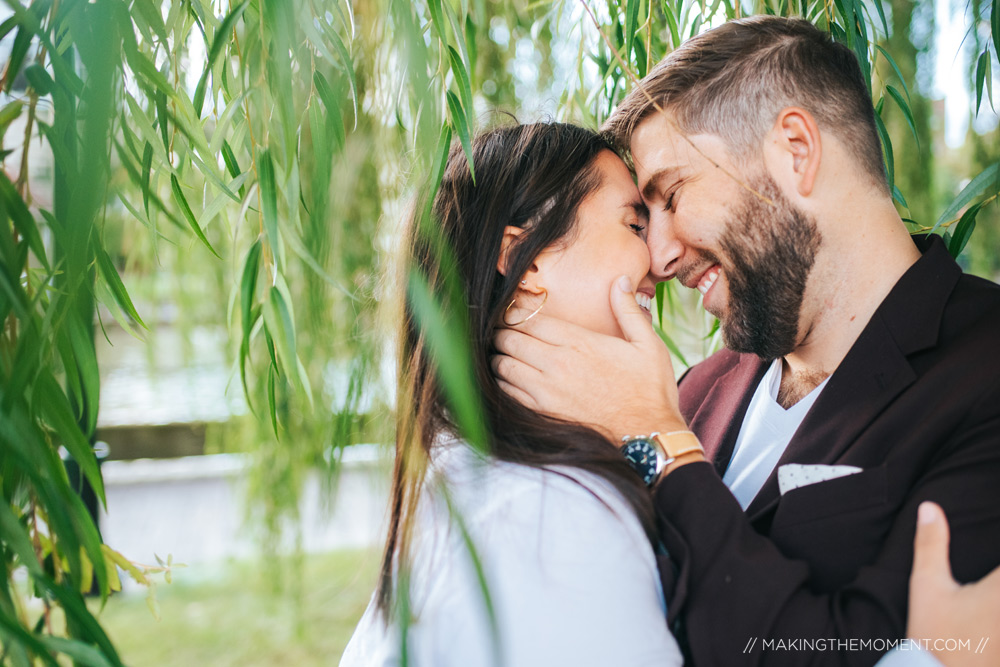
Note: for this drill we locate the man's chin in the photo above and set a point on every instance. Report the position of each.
(767, 343)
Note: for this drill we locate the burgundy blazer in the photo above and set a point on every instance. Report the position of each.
(916, 405)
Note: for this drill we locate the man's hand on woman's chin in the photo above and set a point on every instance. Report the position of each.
(621, 387)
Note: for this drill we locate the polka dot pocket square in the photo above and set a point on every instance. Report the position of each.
(795, 475)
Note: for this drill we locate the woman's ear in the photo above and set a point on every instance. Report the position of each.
(510, 235)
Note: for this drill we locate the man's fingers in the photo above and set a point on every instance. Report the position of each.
(514, 372)
(631, 317)
(546, 329)
(523, 347)
(519, 395)
(931, 566)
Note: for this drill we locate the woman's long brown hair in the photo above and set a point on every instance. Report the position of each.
(529, 176)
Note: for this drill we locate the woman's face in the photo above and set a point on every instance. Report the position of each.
(608, 241)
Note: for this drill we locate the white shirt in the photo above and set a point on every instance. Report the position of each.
(766, 431)
(570, 573)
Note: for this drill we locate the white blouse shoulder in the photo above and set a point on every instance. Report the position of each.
(570, 574)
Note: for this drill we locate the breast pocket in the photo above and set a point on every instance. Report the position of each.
(842, 495)
(836, 526)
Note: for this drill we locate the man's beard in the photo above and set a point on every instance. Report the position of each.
(769, 251)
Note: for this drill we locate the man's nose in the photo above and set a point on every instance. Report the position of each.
(665, 249)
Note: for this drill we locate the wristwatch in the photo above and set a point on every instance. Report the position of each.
(650, 454)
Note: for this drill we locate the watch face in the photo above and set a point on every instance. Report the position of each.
(643, 456)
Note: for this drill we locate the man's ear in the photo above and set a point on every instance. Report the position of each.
(510, 236)
(796, 147)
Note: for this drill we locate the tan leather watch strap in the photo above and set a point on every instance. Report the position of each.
(676, 444)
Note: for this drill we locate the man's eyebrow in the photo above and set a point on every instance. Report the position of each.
(653, 184)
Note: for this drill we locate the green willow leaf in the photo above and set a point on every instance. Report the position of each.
(136, 178)
(462, 79)
(150, 12)
(22, 41)
(9, 114)
(17, 540)
(441, 156)
(146, 130)
(280, 324)
(886, 150)
(881, 15)
(272, 407)
(81, 653)
(162, 118)
(437, 20)
(983, 75)
(898, 196)
(28, 641)
(671, 344)
(470, 41)
(52, 403)
(905, 108)
(963, 231)
(248, 287)
(175, 187)
(459, 122)
(231, 163)
(675, 33)
(114, 282)
(989, 81)
(7, 26)
(269, 200)
(480, 570)
(335, 120)
(85, 358)
(147, 167)
(345, 55)
(987, 180)
(24, 222)
(895, 68)
(39, 79)
(448, 346)
(995, 26)
(631, 26)
(222, 38)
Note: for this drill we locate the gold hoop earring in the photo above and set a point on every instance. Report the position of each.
(545, 296)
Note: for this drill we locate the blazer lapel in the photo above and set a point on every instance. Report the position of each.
(868, 379)
(875, 370)
(717, 422)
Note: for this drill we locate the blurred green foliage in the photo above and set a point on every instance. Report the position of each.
(249, 164)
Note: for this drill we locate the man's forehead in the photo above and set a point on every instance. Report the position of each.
(661, 152)
(651, 182)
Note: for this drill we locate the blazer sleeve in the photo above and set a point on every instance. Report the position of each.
(747, 603)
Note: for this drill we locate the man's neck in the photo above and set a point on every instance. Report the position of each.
(796, 386)
(854, 272)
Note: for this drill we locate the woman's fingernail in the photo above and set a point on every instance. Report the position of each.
(926, 513)
(625, 284)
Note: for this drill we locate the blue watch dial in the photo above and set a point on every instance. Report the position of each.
(644, 457)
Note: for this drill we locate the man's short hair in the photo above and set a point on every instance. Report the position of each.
(733, 81)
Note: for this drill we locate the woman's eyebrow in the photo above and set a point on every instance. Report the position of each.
(638, 207)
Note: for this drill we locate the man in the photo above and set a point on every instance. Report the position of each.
(862, 375)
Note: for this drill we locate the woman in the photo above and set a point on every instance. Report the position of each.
(541, 551)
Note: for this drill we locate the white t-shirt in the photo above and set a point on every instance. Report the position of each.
(570, 573)
(766, 431)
